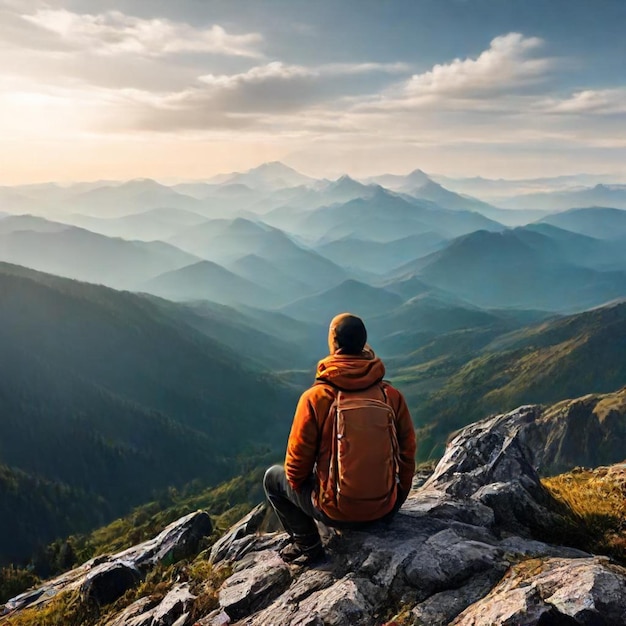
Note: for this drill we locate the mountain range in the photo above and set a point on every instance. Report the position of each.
(194, 370)
(601, 195)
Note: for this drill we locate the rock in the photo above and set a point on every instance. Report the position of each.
(585, 592)
(108, 581)
(215, 618)
(172, 610)
(139, 613)
(178, 541)
(441, 608)
(258, 580)
(433, 503)
(114, 574)
(447, 559)
(489, 462)
(176, 603)
(587, 431)
(224, 548)
(351, 600)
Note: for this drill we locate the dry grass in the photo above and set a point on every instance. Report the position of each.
(67, 609)
(598, 498)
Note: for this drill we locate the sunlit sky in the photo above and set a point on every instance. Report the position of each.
(186, 89)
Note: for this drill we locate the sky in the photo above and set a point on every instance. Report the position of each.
(94, 89)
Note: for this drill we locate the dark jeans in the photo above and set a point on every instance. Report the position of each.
(296, 511)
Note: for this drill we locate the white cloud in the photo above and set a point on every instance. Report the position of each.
(494, 81)
(273, 90)
(588, 102)
(282, 71)
(506, 64)
(257, 75)
(114, 33)
(111, 76)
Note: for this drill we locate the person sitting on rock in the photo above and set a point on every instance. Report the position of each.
(351, 451)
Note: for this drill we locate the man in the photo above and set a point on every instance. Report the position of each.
(305, 489)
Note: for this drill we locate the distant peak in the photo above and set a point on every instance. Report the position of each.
(345, 181)
(273, 166)
(418, 176)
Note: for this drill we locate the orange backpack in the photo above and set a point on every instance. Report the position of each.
(363, 471)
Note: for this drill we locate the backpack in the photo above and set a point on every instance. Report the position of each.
(363, 470)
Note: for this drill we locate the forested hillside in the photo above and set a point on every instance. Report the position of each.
(555, 360)
(108, 396)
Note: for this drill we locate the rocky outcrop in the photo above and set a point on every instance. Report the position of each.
(475, 544)
(106, 578)
(588, 431)
(449, 556)
(554, 591)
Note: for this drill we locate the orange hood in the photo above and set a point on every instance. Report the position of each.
(351, 372)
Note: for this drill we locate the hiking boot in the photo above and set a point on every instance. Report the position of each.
(303, 553)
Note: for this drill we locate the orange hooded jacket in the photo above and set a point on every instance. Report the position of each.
(310, 442)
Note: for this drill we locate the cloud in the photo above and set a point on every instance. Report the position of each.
(588, 102)
(263, 93)
(110, 77)
(116, 33)
(491, 82)
(506, 64)
(277, 70)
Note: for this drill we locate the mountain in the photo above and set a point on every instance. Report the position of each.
(344, 189)
(198, 190)
(585, 432)
(384, 217)
(283, 206)
(17, 223)
(497, 189)
(543, 363)
(398, 182)
(78, 253)
(447, 199)
(579, 249)
(600, 222)
(160, 223)
(135, 196)
(52, 509)
(272, 175)
(265, 274)
(13, 202)
(380, 257)
(516, 269)
(351, 295)
(601, 196)
(97, 386)
(226, 241)
(422, 186)
(206, 280)
(277, 346)
(430, 190)
(429, 313)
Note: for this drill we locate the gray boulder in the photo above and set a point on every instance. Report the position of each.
(107, 577)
